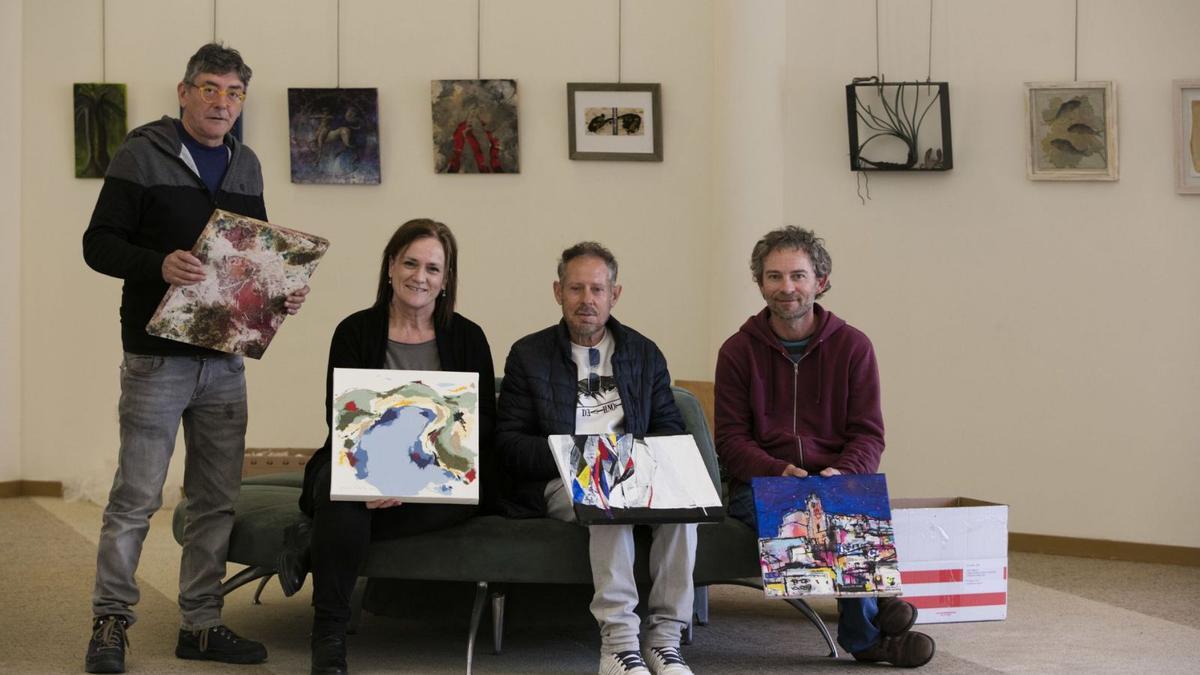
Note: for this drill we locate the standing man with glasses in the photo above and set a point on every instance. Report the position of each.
(589, 374)
(161, 187)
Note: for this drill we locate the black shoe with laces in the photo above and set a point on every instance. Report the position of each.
(106, 649)
(219, 644)
(329, 654)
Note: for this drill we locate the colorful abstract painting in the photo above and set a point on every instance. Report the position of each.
(475, 126)
(334, 136)
(250, 266)
(407, 434)
(619, 479)
(826, 536)
(100, 126)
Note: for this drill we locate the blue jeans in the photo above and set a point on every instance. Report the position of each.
(856, 616)
(208, 394)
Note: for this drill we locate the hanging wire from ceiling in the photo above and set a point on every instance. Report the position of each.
(214, 38)
(103, 41)
(478, 40)
(620, 11)
(929, 63)
(1076, 78)
(339, 44)
(878, 74)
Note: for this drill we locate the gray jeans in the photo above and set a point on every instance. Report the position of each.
(611, 552)
(208, 394)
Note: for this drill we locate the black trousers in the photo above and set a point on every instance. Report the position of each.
(341, 533)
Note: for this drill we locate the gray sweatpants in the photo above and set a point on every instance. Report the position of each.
(611, 550)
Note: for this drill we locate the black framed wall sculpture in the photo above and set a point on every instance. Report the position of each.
(899, 126)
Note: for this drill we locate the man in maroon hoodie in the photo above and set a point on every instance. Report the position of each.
(797, 393)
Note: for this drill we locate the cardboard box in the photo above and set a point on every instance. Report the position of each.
(953, 556)
(261, 461)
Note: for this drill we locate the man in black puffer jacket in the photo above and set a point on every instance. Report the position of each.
(589, 374)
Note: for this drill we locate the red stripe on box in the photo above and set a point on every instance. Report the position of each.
(963, 600)
(931, 576)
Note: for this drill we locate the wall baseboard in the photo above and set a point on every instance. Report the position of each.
(1104, 549)
(31, 488)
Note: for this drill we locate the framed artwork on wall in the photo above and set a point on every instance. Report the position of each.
(1187, 135)
(333, 135)
(1071, 131)
(615, 121)
(475, 126)
(899, 126)
(100, 126)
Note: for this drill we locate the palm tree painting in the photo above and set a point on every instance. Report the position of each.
(99, 126)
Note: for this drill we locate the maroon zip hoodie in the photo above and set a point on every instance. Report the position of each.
(821, 412)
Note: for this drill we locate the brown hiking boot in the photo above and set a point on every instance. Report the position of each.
(910, 650)
(895, 616)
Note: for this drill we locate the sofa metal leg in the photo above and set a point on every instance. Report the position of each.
(481, 588)
(356, 603)
(497, 622)
(808, 612)
(258, 591)
(244, 577)
(686, 637)
(700, 605)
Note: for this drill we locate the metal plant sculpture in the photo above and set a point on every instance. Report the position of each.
(901, 115)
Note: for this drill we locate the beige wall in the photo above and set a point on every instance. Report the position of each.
(510, 227)
(1037, 340)
(10, 243)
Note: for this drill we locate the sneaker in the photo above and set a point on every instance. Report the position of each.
(666, 661)
(329, 654)
(895, 617)
(106, 649)
(623, 663)
(291, 566)
(909, 650)
(218, 644)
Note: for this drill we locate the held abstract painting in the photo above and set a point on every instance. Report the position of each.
(826, 536)
(618, 479)
(250, 266)
(475, 126)
(407, 434)
(334, 136)
(99, 126)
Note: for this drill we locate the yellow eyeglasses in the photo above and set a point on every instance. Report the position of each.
(210, 94)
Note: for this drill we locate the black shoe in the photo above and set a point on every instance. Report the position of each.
(292, 563)
(219, 644)
(106, 649)
(329, 654)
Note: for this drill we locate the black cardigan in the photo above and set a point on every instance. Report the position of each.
(360, 341)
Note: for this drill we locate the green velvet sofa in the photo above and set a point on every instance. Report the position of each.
(492, 550)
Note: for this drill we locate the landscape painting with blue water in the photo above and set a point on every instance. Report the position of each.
(826, 536)
(407, 434)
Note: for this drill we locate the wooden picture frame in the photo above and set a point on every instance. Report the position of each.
(1071, 131)
(1186, 98)
(615, 121)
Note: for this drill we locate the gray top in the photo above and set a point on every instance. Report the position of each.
(421, 356)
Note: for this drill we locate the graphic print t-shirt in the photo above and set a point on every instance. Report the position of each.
(597, 402)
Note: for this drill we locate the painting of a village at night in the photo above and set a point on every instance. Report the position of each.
(826, 536)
